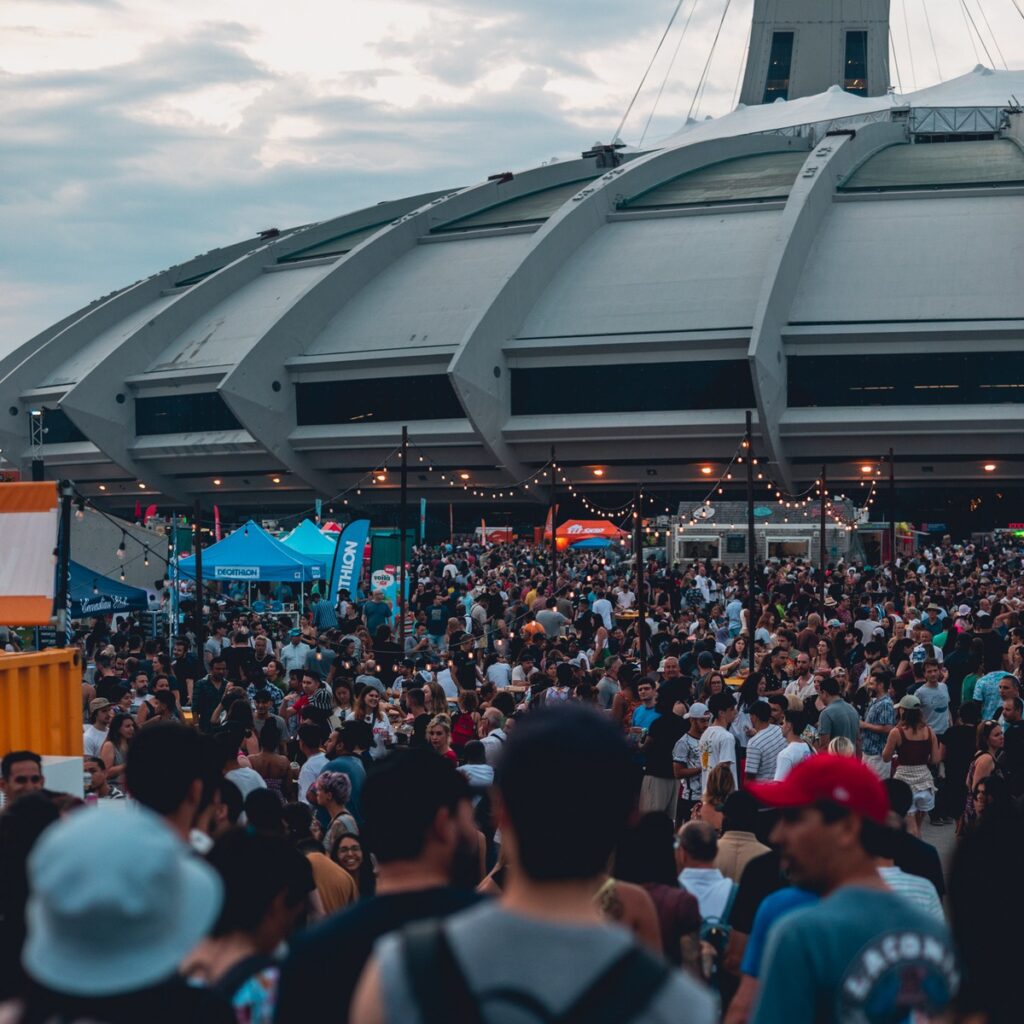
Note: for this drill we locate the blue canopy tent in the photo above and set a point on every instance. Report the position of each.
(252, 555)
(307, 540)
(92, 593)
(591, 542)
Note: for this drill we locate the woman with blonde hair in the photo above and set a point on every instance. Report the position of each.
(439, 736)
(842, 747)
(712, 805)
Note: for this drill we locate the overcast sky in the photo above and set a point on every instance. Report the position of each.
(137, 133)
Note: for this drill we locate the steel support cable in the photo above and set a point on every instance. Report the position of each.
(970, 35)
(995, 38)
(910, 44)
(707, 64)
(895, 60)
(657, 50)
(742, 67)
(981, 38)
(931, 36)
(664, 81)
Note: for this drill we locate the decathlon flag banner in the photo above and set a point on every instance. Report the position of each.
(347, 565)
(29, 520)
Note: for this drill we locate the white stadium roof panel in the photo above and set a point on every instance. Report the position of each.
(678, 273)
(429, 297)
(225, 334)
(90, 355)
(849, 279)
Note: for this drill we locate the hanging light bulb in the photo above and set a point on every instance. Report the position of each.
(145, 556)
(95, 587)
(122, 574)
(121, 546)
(80, 508)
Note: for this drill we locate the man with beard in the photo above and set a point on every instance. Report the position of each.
(418, 821)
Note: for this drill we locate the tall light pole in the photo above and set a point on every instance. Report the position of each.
(824, 495)
(402, 521)
(553, 513)
(751, 541)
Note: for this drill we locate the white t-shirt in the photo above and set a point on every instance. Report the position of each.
(603, 607)
(92, 740)
(717, 745)
(447, 683)
(309, 773)
(789, 757)
(246, 779)
(500, 674)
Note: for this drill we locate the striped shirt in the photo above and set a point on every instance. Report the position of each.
(763, 752)
(880, 712)
(324, 616)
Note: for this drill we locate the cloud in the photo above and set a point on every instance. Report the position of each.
(217, 119)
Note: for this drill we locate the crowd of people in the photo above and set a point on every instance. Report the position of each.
(521, 803)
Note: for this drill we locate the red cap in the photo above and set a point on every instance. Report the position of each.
(838, 780)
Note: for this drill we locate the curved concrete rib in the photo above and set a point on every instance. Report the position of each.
(479, 369)
(802, 221)
(248, 389)
(38, 358)
(93, 405)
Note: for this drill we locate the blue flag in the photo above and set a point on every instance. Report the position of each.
(347, 564)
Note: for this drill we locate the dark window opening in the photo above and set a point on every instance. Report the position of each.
(58, 429)
(947, 378)
(644, 387)
(780, 60)
(380, 400)
(855, 70)
(183, 414)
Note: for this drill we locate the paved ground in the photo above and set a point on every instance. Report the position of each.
(944, 840)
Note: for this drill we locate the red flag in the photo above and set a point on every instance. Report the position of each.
(138, 511)
(150, 512)
(216, 522)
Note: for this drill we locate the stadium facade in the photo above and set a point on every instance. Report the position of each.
(845, 261)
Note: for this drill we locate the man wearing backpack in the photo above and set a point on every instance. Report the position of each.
(567, 784)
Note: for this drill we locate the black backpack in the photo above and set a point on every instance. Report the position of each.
(617, 996)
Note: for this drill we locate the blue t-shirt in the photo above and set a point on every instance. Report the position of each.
(642, 717)
(860, 955)
(772, 908)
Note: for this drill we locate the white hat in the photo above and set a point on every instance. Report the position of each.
(698, 710)
(116, 901)
(964, 609)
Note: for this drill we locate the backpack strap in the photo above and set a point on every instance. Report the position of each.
(439, 987)
(233, 980)
(727, 912)
(621, 993)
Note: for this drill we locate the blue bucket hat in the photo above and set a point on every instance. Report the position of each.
(116, 872)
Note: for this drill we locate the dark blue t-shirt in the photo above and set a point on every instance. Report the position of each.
(773, 907)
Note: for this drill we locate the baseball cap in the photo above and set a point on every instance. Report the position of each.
(698, 710)
(706, 659)
(98, 704)
(295, 632)
(909, 701)
(834, 624)
(828, 777)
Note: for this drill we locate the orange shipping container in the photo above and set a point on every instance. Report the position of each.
(41, 702)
